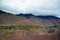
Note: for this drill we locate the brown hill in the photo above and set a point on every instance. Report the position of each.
(28, 20)
(7, 19)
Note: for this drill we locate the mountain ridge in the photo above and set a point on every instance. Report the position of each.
(28, 19)
(21, 14)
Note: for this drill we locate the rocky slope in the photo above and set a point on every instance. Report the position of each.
(46, 23)
(28, 20)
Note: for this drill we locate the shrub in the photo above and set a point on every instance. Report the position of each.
(25, 28)
(51, 30)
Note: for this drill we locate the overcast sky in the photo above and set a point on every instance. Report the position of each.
(37, 7)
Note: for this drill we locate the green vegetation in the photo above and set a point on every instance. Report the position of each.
(28, 28)
(12, 29)
(51, 29)
(25, 28)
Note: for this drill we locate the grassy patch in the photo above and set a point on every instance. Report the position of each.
(51, 29)
(25, 28)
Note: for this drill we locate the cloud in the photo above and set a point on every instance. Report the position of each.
(37, 7)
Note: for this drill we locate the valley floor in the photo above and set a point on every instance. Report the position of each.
(27, 33)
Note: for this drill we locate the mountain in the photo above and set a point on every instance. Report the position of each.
(45, 24)
(28, 20)
(48, 17)
(26, 15)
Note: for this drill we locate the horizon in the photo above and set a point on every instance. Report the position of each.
(31, 14)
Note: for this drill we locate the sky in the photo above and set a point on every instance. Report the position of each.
(36, 7)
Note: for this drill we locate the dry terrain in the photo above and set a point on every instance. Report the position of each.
(28, 27)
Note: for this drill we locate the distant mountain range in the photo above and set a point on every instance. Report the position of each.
(28, 20)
